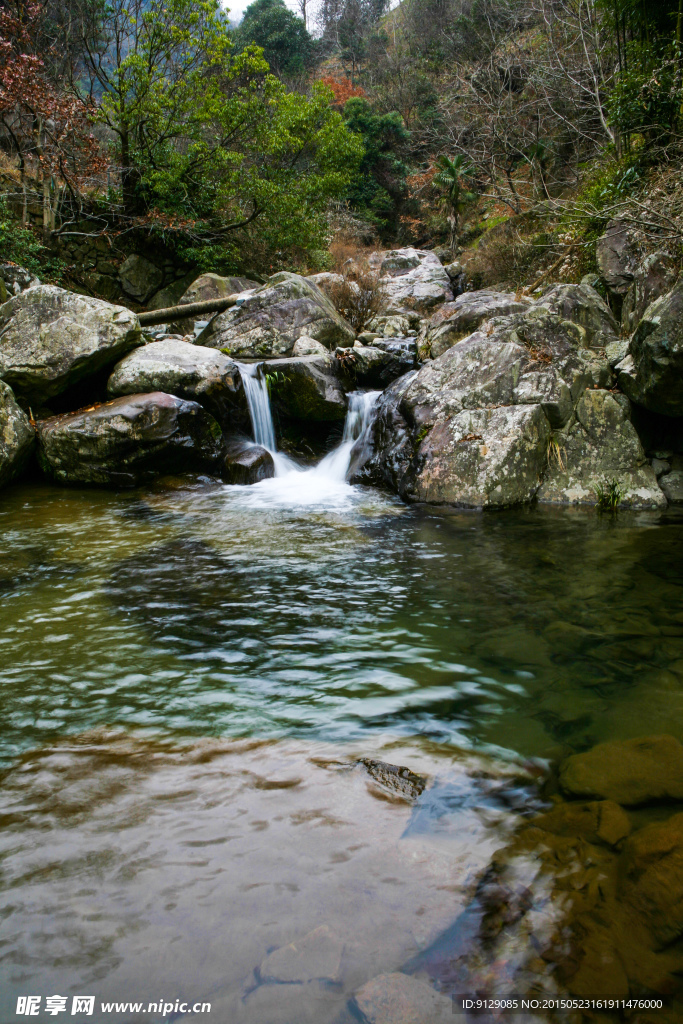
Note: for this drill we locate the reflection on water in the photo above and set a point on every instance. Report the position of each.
(193, 615)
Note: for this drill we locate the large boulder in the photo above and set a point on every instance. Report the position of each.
(271, 319)
(378, 364)
(655, 377)
(128, 441)
(600, 447)
(473, 427)
(306, 388)
(16, 279)
(172, 293)
(630, 772)
(618, 255)
(413, 280)
(246, 463)
(213, 286)
(455, 320)
(51, 338)
(17, 436)
(200, 374)
(655, 276)
(583, 306)
(140, 278)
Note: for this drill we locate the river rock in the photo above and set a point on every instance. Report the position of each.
(618, 255)
(314, 957)
(472, 427)
(630, 772)
(394, 326)
(599, 447)
(179, 368)
(307, 388)
(600, 821)
(652, 878)
(583, 306)
(274, 317)
(672, 485)
(413, 280)
(17, 436)
(377, 365)
(655, 378)
(128, 441)
(455, 320)
(308, 347)
(654, 277)
(400, 999)
(140, 278)
(51, 338)
(246, 463)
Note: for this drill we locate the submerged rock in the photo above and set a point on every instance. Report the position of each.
(129, 440)
(413, 280)
(400, 999)
(51, 338)
(314, 957)
(601, 821)
(189, 371)
(652, 878)
(583, 306)
(306, 388)
(630, 772)
(456, 320)
(246, 463)
(274, 317)
(17, 436)
(655, 377)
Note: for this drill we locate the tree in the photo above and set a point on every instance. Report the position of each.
(451, 178)
(379, 187)
(285, 41)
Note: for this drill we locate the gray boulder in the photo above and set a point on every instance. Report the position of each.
(246, 463)
(274, 317)
(213, 286)
(583, 306)
(455, 320)
(128, 441)
(600, 446)
(457, 277)
(473, 427)
(655, 377)
(308, 347)
(189, 371)
(306, 388)
(672, 485)
(394, 326)
(655, 276)
(140, 278)
(413, 281)
(17, 436)
(16, 279)
(327, 282)
(378, 364)
(51, 338)
(618, 255)
(172, 293)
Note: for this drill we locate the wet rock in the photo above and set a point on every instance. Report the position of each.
(401, 999)
(583, 306)
(308, 347)
(630, 772)
(51, 338)
(128, 441)
(655, 276)
(413, 281)
(377, 365)
(601, 821)
(307, 388)
(652, 878)
(672, 485)
(655, 379)
(189, 371)
(618, 255)
(274, 317)
(599, 447)
(140, 278)
(315, 957)
(246, 463)
(456, 320)
(396, 780)
(17, 436)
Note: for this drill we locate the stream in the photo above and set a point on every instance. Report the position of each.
(207, 691)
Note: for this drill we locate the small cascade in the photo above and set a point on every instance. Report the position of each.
(258, 400)
(335, 466)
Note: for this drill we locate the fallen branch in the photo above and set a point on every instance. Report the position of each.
(190, 309)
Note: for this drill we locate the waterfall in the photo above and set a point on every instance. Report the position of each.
(258, 400)
(357, 425)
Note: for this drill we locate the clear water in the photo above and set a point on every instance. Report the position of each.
(190, 673)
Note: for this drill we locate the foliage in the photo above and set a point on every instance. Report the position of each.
(21, 246)
(609, 495)
(451, 178)
(343, 89)
(286, 44)
(379, 187)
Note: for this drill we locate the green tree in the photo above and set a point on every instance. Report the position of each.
(286, 44)
(451, 179)
(379, 186)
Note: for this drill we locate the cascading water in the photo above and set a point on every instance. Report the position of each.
(293, 484)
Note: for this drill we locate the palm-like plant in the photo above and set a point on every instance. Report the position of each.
(451, 177)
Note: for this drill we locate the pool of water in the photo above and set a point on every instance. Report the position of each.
(194, 677)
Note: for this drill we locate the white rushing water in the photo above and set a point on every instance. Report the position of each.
(293, 485)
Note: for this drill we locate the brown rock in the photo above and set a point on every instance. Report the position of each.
(630, 772)
(400, 999)
(600, 821)
(652, 877)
